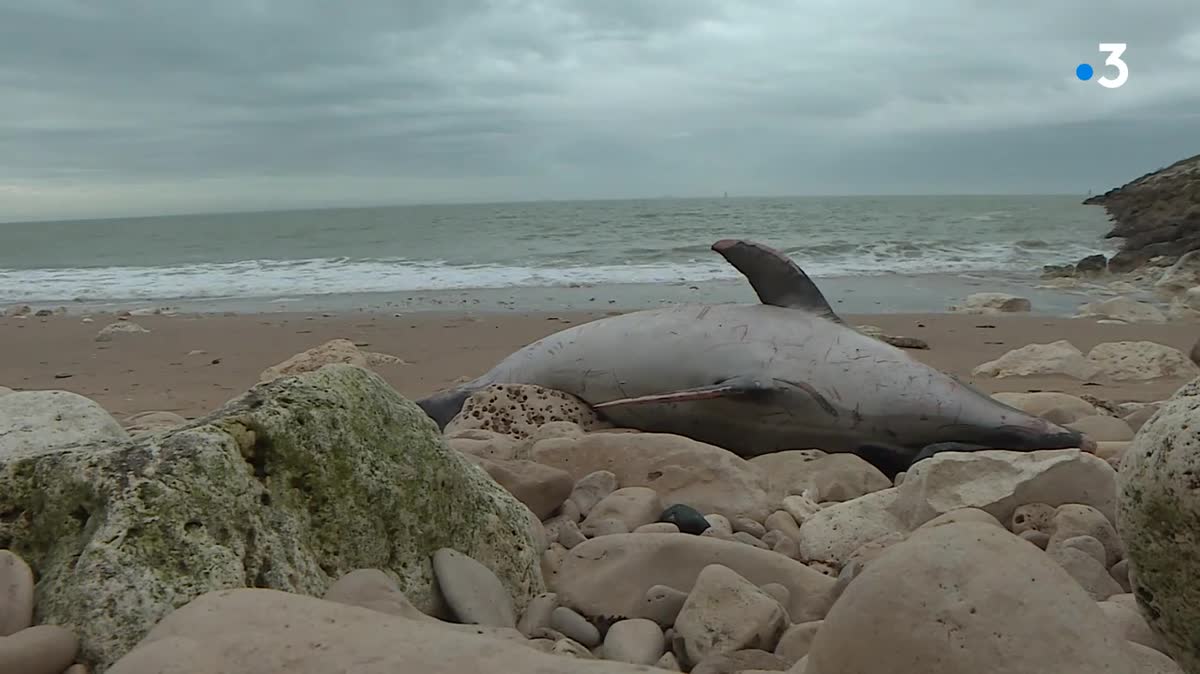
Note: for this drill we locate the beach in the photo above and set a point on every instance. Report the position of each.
(140, 372)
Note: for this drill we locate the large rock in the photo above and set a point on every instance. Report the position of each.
(290, 486)
(610, 575)
(724, 613)
(1059, 357)
(998, 481)
(1183, 275)
(1159, 522)
(993, 303)
(33, 421)
(947, 601)
(1140, 361)
(833, 477)
(833, 534)
(334, 351)
(1043, 402)
(1123, 309)
(519, 410)
(681, 470)
(244, 631)
(541, 488)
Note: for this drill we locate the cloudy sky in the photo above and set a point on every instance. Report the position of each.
(112, 107)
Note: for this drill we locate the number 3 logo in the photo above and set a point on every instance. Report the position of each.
(1114, 50)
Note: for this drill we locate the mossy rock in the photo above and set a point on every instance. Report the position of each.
(288, 487)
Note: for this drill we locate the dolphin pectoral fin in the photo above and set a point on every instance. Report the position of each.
(776, 279)
(729, 388)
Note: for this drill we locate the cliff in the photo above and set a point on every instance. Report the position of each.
(1157, 215)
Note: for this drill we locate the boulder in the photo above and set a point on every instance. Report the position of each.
(993, 303)
(1122, 308)
(289, 486)
(241, 631)
(518, 410)
(1180, 277)
(334, 351)
(611, 575)
(681, 470)
(834, 533)
(1140, 361)
(833, 477)
(40, 421)
(1059, 357)
(1159, 522)
(724, 613)
(946, 601)
(998, 481)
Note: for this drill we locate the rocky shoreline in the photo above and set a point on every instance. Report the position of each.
(320, 522)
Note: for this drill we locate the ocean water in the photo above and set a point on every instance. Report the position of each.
(251, 260)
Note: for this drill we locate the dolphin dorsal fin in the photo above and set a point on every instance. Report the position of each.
(777, 279)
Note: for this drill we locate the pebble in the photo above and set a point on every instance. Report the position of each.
(637, 641)
(787, 547)
(725, 612)
(472, 590)
(373, 589)
(564, 532)
(1087, 544)
(719, 523)
(591, 488)
(780, 593)
(746, 538)
(1120, 573)
(688, 519)
(782, 520)
(749, 526)
(1038, 538)
(669, 662)
(800, 508)
(657, 528)
(552, 560)
(663, 604)
(572, 648)
(78, 669)
(537, 613)
(797, 640)
(574, 626)
(740, 661)
(622, 511)
(16, 594)
(1035, 516)
(41, 649)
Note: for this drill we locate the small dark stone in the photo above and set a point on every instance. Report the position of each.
(688, 519)
(63, 375)
(1092, 264)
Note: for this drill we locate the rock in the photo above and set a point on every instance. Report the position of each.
(1091, 265)
(610, 575)
(1086, 544)
(657, 528)
(748, 526)
(681, 470)
(572, 648)
(487, 444)
(622, 511)
(537, 614)
(686, 518)
(748, 660)
(637, 641)
(1194, 354)
(541, 488)
(574, 626)
(1074, 519)
(17, 310)
(832, 534)
(145, 423)
(551, 560)
(956, 583)
(1150, 661)
(1131, 625)
(564, 532)
(1041, 402)
(669, 663)
(778, 592)
(1112, 452)
(1120, 573)
(42, 649)
(1122, 308)
(108, 332)
(1038, 538)
(16, 594)
(334, 351)
(746, 538)
(230, 630)
(719, 523)
(34, 421)
(373, 589)
(1059, 357)
(963, 515)
(518, 410)
(662, 604)
(591, 488)
(724, 613)
(800, 508)
(1140, 416)
(289, 486)
(797, 641)
(1035, 517)
(993, 303)
(1140, 361)
(472, 591)
(1183, 275)
(1089, 573)
(834, 477)
(1103, 428)
(1159, 522)
(999, 481)
(4, 390)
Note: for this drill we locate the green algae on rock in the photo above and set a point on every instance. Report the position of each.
(288, 487)
(1158, 519)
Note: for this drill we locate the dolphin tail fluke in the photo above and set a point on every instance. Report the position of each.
(442, 407)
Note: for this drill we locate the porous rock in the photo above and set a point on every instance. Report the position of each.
(289, 486)
(832, 534)
(39, 421)
(1141, 361)
(334, 351)
(1075, 519)
(833, 477)
(724, 613)
(1122, 308)
(1060, 357)
(518, 410)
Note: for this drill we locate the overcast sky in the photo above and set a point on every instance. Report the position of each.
(112, 107)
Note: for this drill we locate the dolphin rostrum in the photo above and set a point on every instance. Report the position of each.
(758, 378)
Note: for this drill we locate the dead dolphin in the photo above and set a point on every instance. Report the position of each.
(757, 378)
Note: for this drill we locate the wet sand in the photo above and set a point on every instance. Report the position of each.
(154, 371)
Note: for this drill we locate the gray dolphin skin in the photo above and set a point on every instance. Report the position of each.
(758, 378)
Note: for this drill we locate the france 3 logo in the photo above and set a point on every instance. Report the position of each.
(1084, 71)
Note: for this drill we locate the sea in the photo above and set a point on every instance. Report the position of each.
(868, 254)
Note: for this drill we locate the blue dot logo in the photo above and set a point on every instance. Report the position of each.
(1084, 72)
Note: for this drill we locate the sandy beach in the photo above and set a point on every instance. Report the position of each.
(154, 372)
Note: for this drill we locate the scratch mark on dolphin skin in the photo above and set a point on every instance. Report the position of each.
(745, 331)
(816, 395)
(703, 312)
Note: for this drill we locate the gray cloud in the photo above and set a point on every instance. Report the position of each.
(135, 107)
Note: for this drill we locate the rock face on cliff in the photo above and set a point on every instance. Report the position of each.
(1157, 215)
(288, 487)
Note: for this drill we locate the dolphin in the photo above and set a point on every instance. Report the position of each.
(785, 373)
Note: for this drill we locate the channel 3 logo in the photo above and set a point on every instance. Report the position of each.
(1114, 50)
